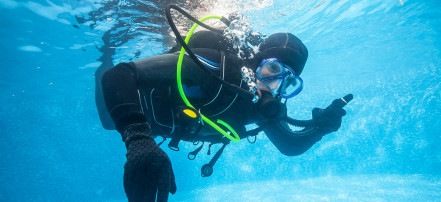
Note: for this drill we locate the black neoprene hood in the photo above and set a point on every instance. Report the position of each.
(287, 48)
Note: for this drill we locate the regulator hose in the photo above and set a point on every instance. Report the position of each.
(236, 137)
(235, 89)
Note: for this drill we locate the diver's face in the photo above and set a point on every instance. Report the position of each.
(270, 75)
(278, 79)
(271, 86)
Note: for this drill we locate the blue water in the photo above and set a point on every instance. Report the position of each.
(385, 52)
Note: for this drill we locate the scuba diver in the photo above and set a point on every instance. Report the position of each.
(175, 95)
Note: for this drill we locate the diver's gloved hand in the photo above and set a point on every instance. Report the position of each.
(329, 120)
(148, 173)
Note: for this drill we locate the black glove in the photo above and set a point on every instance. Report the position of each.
(329, 120)
(148, 171)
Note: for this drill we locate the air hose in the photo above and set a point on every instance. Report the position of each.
(235, 89)
(184, 48)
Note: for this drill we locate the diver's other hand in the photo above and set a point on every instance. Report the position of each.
(148, 173)
(329, 119)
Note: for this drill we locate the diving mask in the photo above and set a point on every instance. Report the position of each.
(279, 78)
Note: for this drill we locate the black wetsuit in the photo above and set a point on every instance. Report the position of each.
(149, 86)
(146, 91)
